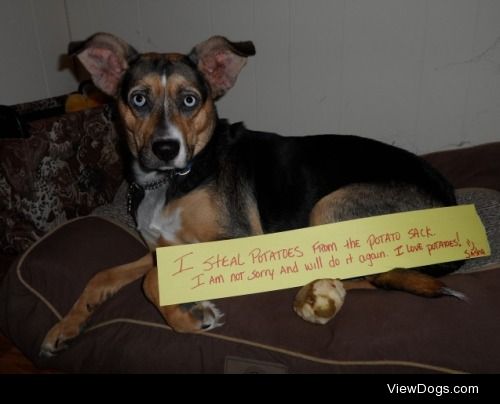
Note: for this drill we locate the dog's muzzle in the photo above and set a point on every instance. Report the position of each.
(166, 150)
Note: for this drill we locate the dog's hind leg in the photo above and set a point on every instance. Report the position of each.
(101, 287)
(413, 281)
(185, 318)
(364, 200)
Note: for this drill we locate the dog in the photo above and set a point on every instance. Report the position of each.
(198, 178)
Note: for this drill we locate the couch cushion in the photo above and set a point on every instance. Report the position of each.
(487, 202)
(477, 166)
(376, 331)
(68, 166)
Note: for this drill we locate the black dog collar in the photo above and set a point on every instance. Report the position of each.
(136, 191)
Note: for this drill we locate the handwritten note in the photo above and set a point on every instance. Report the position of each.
(194, 272)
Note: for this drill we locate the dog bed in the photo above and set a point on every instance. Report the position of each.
(376, 331)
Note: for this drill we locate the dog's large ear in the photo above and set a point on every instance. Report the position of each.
(106, 58)
(220, 61)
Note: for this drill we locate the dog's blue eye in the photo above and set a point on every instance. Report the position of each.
(139, 100)
(189, 101)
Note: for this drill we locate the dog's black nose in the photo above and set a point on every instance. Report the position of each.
(166, 150)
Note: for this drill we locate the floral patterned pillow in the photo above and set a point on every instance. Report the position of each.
(69, 165)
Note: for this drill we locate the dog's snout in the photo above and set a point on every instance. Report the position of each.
(166, 150)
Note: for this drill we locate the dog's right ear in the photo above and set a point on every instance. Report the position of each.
(106, 58)
(220, 61)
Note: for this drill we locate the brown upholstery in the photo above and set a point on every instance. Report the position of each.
(477, 166)
(376, 331)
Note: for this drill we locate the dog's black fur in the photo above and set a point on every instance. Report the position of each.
(203, 179)
(289, 175)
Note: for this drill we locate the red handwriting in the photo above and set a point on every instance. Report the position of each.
(181, 266)
(216, 279)
(222, 261)
(378, 239)
(377, 246)
(263, 273)
(350, 243)
(438, 245)
(408, 248)
(333, 262)
(198, 281)
(413, 248)
(237, 276)
(290, 269)
(422, 232)
(473, 251)
(370, 257)
(317, 264)
(259, 256)
(324, 247)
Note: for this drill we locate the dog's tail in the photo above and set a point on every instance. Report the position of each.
(418, 281)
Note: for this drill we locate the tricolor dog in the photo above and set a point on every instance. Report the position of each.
(199, 178)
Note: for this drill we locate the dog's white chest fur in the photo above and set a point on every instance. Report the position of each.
(152, 222)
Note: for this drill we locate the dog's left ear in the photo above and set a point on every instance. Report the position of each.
(220, 61)
(106, 58)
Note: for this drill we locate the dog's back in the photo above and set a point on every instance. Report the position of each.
(287, 176)
(203, 180)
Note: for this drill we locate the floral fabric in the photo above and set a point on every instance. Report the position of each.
(69, 165)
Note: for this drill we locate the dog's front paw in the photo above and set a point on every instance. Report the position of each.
(319, 301)
(209, 315)
(193, 317)
(57, 338)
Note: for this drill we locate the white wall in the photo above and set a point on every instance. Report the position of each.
(423, 74)
(33, 35)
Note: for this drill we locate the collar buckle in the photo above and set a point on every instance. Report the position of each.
(184, 171)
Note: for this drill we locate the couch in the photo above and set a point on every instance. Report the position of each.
(375, 332)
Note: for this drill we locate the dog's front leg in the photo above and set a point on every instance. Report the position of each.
(191, 317)
(102, 286)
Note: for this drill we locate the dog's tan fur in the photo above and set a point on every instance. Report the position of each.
(172, 127)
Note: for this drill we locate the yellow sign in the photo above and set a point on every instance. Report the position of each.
(194, 272)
